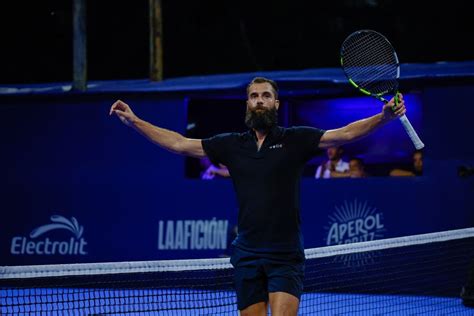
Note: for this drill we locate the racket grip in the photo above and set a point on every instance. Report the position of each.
(411, 132)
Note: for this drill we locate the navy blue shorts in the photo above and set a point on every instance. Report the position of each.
(257, 274)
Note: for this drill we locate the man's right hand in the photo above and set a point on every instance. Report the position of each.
(169, 140)
(123, 112)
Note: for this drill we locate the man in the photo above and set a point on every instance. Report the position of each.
(415, 170)
(467, 291)
(335, 167)
(265, 164)
(356, 168)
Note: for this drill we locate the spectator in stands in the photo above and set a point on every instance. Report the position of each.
(334, 167)
(211, 171)
(415, 170)
(357, 168)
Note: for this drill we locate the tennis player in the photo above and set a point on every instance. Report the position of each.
(265, 164)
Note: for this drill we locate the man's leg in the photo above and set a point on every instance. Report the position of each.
(467, 292)
(250, 283)
(283, 304)
(259, 309)
(285, 282)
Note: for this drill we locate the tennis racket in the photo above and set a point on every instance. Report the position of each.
(371, 65)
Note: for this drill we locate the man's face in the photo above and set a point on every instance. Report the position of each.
(355, 168)
(334, 153)
(262, 107)
(418, 161)
(261, 95)
(355, 165)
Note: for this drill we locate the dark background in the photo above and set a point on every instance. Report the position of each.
(210, 37)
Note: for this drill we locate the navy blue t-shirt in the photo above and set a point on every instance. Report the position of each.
(267, 183)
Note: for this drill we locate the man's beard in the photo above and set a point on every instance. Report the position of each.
(261, 118)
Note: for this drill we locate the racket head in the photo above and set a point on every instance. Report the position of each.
(370, 63)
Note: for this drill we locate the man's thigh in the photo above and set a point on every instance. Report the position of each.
(285, 274)
(250, 280)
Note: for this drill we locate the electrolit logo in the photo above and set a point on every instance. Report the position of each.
(355, 222)
(36, 244)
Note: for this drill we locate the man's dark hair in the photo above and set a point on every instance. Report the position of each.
(264, 80)
(359, 160)
(418, 151)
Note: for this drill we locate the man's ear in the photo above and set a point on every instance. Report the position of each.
(277, 104)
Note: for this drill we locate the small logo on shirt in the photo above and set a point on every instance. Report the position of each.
(276, 146)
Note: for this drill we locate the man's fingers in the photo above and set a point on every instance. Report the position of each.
(114, 106)
(400, 112)
(119, 112)
(398, 98)
(400, 109)
(120, 105)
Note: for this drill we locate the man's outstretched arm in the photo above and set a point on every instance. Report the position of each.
(169, 140)
(359, 129)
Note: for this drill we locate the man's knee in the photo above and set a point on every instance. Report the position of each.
(259, 309)
(282, 303)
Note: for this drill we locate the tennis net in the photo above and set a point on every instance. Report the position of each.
(413, 275)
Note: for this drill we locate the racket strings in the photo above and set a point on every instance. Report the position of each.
(368, 51)
(370, 61)
(371, 67)
(375, 79)
(378, 48)
(372, 73)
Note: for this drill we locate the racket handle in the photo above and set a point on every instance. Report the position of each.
(411, 132)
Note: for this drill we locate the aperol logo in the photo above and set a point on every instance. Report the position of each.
(354, 222)
(35, 245)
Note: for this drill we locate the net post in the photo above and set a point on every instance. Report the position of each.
(156, 47)
(79, 46)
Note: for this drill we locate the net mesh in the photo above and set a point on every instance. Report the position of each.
(369, 60)
(414, 275)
